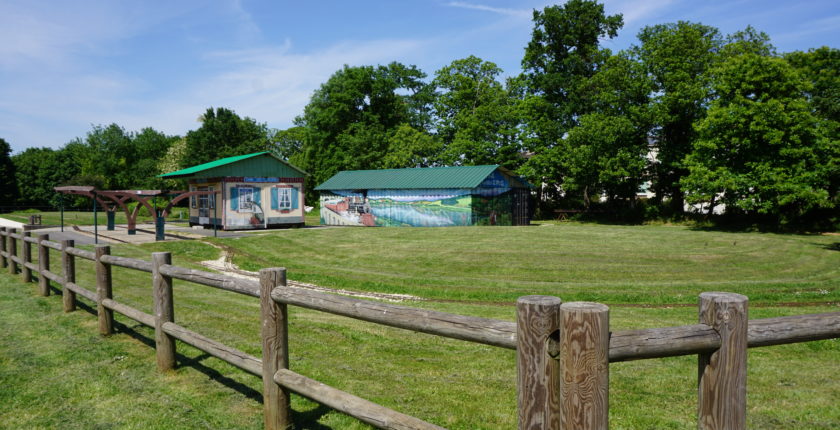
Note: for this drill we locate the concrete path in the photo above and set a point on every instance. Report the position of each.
(9, 223)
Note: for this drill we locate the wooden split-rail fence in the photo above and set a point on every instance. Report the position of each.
(563, 349)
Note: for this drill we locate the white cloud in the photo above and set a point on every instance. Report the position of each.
(519, 13)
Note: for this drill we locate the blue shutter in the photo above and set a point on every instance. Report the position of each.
(234, 199)
(294, 198)
(256, 195)
(274, 198)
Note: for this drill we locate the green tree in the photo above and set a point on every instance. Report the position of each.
(410, 147)
(605, 153)
(224, 134)
(758, 149)
(288, 143)
(677, 57)
(352, 116)
(38, 171)
(476, 115)
(8, 185)
(561, 58)
(149, 146)
(821, 68)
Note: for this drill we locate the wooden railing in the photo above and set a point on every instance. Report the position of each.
(563, 349)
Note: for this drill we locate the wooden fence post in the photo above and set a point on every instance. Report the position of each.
(538, 376)
(12, 248)
(26, 250)
(103, 290)
(3, 262)
(164, 311)
(69, 262)
(275, 350)
(584, 366)
(722, 393)
(43, 265)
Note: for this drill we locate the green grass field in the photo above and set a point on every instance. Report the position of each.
(57, 372)
(87, 218)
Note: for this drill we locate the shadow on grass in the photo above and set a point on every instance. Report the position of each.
(303, 420)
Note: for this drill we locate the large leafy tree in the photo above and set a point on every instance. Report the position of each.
(561, 58)
(758, 150)
(222, 134)
(677, 57)
(112, 158)
(605, 152)
(410, 147)
(351, 118)
(38, 171)
(821, 68)
(477, 116)
(8, 187)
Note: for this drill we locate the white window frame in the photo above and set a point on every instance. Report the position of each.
(246, 199)
(284, 198)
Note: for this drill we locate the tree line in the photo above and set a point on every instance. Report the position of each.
(693, 115)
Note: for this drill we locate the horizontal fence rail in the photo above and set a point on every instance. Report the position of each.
(547, 337)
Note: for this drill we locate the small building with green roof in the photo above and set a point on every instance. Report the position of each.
(254, 191)
(425, 197)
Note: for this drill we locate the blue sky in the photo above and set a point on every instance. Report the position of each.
(65, 65)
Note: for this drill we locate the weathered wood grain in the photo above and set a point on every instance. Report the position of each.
(222, 282)
(3, 240)
(722, 385)
(52, 276)
(68, 261)
(473, 329)
(242, 360)
(135, 314)
(29, 238)
(164, 311)
(103, 290)
(538, 374)
(662, 342)
(364, 410)
(793, 329)
(11, 248)
(130, 263)
(87, 255)
(53, 245)
(78, 289)
(275, 349)
(43, 265)
(584, 366)
(26, 250)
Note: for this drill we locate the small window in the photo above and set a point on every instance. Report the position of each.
(284, 197)
(212, 198)
(246, 199)
(192, 199)
(203, 199)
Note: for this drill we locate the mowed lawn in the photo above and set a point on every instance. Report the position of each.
(56, 372)
(610, 264)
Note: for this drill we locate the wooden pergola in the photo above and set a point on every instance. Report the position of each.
(110, 199)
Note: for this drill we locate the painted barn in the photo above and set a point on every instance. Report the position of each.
(425, 197)
(255, 191)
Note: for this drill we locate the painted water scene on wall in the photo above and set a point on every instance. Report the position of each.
(415, 208)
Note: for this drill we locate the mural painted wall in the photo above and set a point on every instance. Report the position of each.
(489, 204)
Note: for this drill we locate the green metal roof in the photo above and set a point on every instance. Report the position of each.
(194, 170)
(420, 178)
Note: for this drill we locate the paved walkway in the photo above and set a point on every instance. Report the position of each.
(9, 223)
